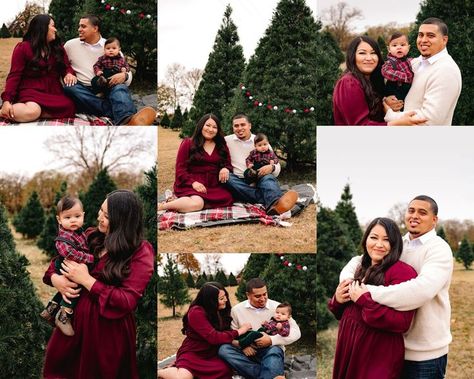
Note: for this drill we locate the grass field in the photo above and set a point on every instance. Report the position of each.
(461, 350)
(299, 238)
(6, 49)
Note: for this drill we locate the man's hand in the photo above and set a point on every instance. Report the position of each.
(117, 79)
(265, 170)
(223, 175)
(263, 341)
(249, 351)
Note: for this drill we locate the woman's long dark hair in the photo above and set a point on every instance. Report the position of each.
(125, 235)
(198, 140)
(208, 298)
(42, 49)
(373, 87)
(375, 274)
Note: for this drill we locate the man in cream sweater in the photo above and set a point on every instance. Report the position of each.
(437, 81)
(265, 360)
(83, 53)
(267, 190)
(427, 340)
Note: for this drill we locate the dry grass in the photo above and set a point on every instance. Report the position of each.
(299, 238)
(6, 49)
(461, 350)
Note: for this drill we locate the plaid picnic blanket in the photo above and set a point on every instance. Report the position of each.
(238, 213)
(80, 120)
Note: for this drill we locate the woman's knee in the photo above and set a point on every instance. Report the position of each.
(196, 203)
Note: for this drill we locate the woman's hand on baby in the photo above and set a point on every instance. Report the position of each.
(223, 175)
(77, 272)
(70, 80)
(199, 187)
(244, 328)
(67, 288)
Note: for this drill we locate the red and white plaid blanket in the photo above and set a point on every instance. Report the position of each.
(79, 120)
(237, 213)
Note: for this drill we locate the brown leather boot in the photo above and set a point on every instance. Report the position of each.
(144, 116)
(284, 203)
(63, 322)
(49, 313)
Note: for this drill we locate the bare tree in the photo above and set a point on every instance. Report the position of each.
(192, 78)
(212, 263)
(174, 79)
(11, 194)
(397, 214)
(165, 99)
(93, 149)
(338, 19)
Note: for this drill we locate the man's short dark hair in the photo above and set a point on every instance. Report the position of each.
(255, 283)
(93, 19)
(434, 206)
(240, 115)
(443, 28)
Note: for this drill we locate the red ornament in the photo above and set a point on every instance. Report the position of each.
(298, 267)
(141, 15)
(269, 106)
(247, 93)
(255, 103)
(285, 263)
(123, 11)
(107, 7)
(306, 110)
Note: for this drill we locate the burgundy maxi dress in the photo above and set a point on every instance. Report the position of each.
(105, 332)
(370, 338)
(204, 170)
(40, 84)
(198, 352)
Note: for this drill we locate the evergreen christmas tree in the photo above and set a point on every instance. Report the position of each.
(210, 278)
(134, 23)
(177, 121)
(4, 32)
(95, 196)
(221, 75)
(165, 121)
(383, 46)
(346, 211)
(173, 289)
(146, 312)
(335, 249)
(63, 12)
(232, 280)
(460, 20)
(204, 276)
(293, 69)
(465, 254)
(441, 233)
(50, 228)
(30, 220)
(190, 281)
(292, 278)
(253, 269)
(200, 282)
(23, 333)
(221, 278)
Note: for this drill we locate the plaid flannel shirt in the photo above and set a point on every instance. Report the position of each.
(271, 329)
(113, 63)
(265, 157)
(402, 71)
(65, 250)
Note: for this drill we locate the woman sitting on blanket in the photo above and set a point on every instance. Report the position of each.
(206, 326)
(33, 87)
(202, 166)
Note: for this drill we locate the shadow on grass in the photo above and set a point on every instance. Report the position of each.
(305, 345)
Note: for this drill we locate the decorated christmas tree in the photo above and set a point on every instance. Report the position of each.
(29, 221)
(221, 76)
(62, 11)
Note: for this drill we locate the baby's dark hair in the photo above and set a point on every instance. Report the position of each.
(110, 40)
(396, 35)
(285, 305)
(66, 203)
(259, 137)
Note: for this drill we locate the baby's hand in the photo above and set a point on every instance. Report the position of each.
(279, 325)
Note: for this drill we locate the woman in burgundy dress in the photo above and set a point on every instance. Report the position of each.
(370, 338)
(206, 326)
(202, 166)
(358, 95)
(105, 333)
(33, 87)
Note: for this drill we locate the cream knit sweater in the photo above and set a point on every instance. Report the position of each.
(244, 312)
(429, 334)
(434, 92)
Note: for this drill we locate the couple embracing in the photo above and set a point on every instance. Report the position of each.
(212, 170)
(218, 341)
